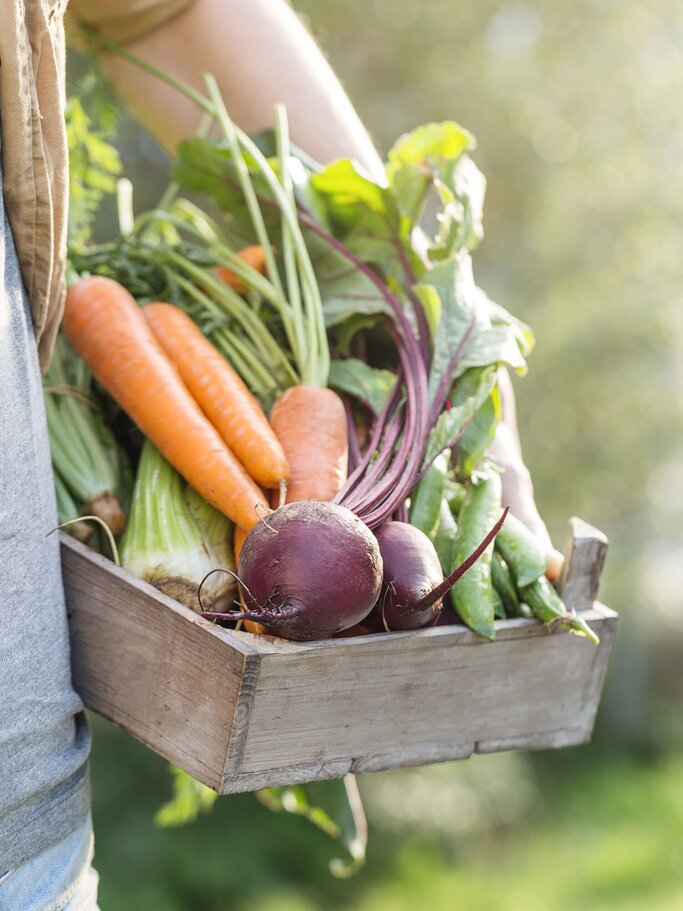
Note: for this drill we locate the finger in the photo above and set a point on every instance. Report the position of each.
(518, 491)
(555, 564)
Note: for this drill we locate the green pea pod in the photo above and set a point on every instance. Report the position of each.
(504, 585)
(521, 551)
(498, 607)
(472, 596)
(426, 501)
(456, 494)
(444, 538)
(547, 605)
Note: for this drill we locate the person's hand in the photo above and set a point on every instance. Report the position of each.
(518, 490)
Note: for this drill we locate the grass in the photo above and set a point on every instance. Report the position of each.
(595, 831)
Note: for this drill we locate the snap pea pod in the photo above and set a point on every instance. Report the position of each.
(498, 608)
(444, 537)
(547, 605)
(504, 585)
(426, 501)
(472, 597)
(456, 494)
(521, 551)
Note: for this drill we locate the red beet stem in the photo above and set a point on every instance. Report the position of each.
(356, 476)
(448, 583)
(423, 333)
(354, 448)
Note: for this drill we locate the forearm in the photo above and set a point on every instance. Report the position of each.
(260, 54)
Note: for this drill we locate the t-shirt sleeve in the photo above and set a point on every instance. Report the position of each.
(121, 20)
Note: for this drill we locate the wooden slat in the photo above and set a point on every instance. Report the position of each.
(150, 665)
(382, 701)
(425, 754)
(584, 558)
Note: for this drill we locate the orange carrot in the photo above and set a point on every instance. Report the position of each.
(238, 541)
(253, 256)
(107, 328)
(310, 422)
(223, 397)
(249, 625)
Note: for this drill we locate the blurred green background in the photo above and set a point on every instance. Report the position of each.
(576, 107)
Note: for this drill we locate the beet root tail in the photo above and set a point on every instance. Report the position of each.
(433, 596)
(235, 615)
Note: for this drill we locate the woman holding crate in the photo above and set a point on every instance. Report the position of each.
(260, 54)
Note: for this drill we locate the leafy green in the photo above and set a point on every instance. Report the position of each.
(190, 799)
(345, 333)
(453, 283)
(365, 216)
(431, 305)
(369, 385)
(344, 289)
(206, 165)
(348, 195)
(471, 391)
(334, 807)
(484, 332)
(416, 159)
(84, 450)
(94, 163)
(461, 191)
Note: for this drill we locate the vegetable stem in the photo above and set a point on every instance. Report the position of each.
(301, 353)
(244, 178)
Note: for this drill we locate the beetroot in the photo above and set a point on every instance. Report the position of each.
(411, 571)
(413, 585)
(309, 570)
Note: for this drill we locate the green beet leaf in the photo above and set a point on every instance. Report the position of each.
(371, 386)
(334, 807)
(470, 392)
(417, 158)
(344, 290)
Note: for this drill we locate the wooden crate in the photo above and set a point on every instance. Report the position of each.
(241, 712)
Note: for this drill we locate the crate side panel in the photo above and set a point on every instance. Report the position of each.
(386, 698)
(152, 668)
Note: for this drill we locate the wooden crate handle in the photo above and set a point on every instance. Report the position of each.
(584, 558)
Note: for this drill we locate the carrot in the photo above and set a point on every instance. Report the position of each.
(249, 625)
(238, 541)
(253, 256)
(223, 397)
(310, 422)
(107, 328)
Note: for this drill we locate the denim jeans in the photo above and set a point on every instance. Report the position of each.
(58, 879)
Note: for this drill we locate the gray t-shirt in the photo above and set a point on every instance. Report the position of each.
(44, 740)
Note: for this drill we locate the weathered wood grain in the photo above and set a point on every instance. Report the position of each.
(241, 712)
(149, 664)
(384, 699)
(584, 558)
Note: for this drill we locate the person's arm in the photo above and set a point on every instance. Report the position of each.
(260, 54)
